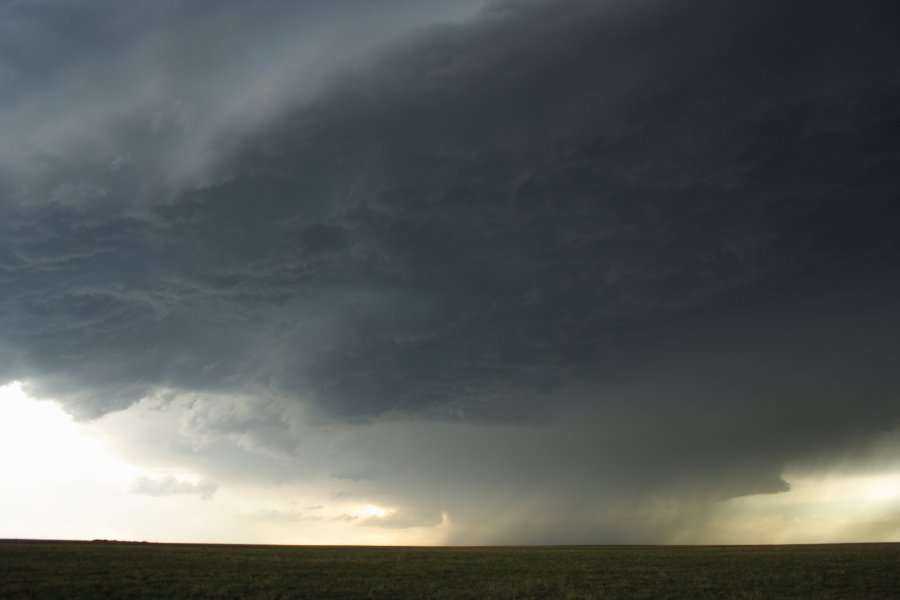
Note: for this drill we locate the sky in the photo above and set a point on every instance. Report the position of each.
(450, 271)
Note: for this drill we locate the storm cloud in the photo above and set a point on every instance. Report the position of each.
(587, 255)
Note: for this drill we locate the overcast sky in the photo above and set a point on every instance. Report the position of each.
(445, 271)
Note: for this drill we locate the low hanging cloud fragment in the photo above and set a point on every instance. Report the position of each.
(172, 486)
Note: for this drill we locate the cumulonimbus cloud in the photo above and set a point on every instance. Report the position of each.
(675, 219)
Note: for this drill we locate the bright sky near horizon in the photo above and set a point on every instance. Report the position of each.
(64, 482)
(450, 272)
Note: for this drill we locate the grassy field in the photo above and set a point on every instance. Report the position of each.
(135, 570)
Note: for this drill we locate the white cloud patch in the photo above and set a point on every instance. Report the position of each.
(170, 485)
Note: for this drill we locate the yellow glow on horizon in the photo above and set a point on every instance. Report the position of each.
(843, 488)
(372, 510)
(882, 488)
(828, 508)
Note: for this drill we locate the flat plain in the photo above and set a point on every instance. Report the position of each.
(45, 569)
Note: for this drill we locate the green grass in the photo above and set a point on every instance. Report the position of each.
(133, 570)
